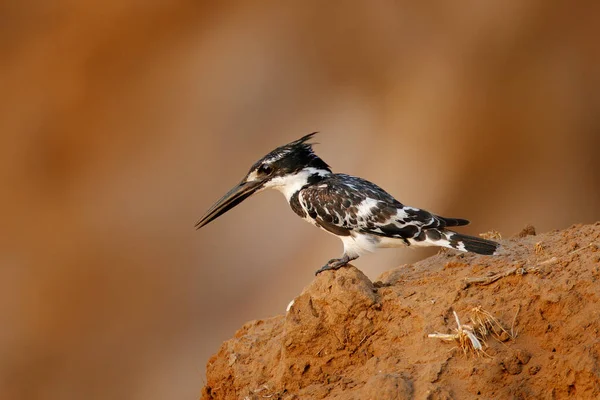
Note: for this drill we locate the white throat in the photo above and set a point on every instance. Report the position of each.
(290, 184)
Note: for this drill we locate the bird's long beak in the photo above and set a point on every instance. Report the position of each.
(234, 197)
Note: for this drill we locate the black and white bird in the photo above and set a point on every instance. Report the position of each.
(360, 213)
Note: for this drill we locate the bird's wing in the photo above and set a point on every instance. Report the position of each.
(344, 203)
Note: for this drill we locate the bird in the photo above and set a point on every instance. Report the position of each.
(363, 215)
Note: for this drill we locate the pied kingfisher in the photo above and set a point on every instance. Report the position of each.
(360, 213)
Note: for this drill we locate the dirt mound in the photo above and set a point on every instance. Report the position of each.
(529, 328)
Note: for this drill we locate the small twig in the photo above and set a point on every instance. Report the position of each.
(513, 334)
(261, 389)
(362, 340)
(444, 336)
(456, 319)
(491, 279)
(548, 261)
(582, 248)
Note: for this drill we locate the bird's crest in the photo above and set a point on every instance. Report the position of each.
(298, 146)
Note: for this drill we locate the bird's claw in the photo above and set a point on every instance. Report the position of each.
(333, 264)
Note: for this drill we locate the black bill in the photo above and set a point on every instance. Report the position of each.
(234, 197)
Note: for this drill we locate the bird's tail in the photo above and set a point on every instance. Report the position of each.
(454, 221)
(458, 241)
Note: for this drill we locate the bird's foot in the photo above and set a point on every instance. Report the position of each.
(335, 263)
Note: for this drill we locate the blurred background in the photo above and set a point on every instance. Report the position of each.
(122, 121)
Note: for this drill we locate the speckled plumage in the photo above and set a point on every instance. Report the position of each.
(360, 213)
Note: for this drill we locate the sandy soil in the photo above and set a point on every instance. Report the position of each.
(534, 310)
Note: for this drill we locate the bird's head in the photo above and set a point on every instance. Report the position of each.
(287, 168)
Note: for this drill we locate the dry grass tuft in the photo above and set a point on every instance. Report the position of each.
(471, 338)
(491, 235)
(485, 324)
(465, 336)
(539, 248)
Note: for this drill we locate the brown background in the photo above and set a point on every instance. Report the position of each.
(122, 121)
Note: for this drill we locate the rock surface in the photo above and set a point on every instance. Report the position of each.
(345, 337)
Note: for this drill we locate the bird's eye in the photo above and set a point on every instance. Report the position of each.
(265, 169)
